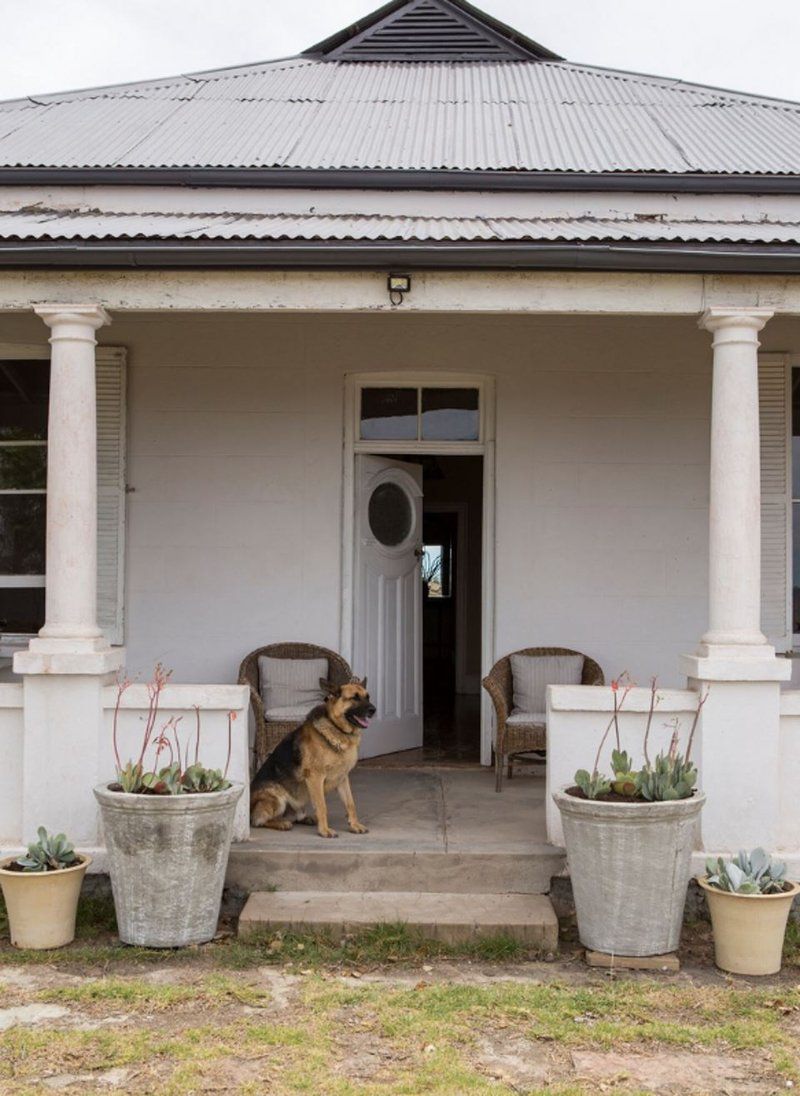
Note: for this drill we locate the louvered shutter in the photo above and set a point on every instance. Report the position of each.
(110, 490)
(773, 384)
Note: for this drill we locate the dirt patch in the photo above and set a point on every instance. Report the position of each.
(518, 1062)
(368, 1058)
(668, 1072)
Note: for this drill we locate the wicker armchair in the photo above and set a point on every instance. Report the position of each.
(521, 738)
(269, 734)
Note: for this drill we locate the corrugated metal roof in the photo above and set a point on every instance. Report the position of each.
(92, 224)
(459, 116)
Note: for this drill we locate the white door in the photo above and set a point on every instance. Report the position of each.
(388, 600)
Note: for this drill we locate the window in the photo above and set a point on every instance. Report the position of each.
(24, 397)
(420, 414)
(437, 568)
(24, 388)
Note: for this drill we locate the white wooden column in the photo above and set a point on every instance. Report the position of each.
(71, 585)
(734, 663)
(68, 664)
(734, 611)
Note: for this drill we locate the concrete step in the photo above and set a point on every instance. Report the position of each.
(453, 918)
(354, 864)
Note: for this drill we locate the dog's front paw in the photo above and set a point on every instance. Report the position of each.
(328, 833)
(356, 827)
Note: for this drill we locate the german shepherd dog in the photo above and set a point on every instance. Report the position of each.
(312, 760)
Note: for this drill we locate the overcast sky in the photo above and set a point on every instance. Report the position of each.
(54, 45)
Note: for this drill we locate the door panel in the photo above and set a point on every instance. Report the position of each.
(388, 600)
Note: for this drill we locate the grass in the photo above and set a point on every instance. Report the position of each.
(95, 946)
(419, 1039)
(210, 1018)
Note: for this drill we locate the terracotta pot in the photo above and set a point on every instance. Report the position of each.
(630, 866)
(748, 928)
(42, 905)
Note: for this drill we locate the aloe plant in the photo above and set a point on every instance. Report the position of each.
(592, 785)
(747, 873)
(199, 779)
(625, 777)
(670, 777)
(50, 853)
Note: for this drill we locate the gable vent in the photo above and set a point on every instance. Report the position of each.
(429, 30)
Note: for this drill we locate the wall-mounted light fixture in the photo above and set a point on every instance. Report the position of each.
(398, 285)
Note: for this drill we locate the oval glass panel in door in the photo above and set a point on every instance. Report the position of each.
(390, 514)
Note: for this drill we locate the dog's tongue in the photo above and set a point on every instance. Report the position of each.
(361, 721)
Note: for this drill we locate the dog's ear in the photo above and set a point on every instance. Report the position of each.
(363, 683)
(329, 688)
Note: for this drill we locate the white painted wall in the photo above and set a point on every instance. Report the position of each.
(234, 465)
(577, 717)
(180, 702)
(11, 727)
(235, 433)
(789, 771)
(58, 806)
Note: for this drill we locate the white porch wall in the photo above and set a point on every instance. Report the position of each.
(11, 729)
(235, 438)
(235, 442)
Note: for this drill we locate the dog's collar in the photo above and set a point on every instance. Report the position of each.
(334, 743)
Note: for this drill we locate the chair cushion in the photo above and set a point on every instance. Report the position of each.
(519, 719)
(287, 715)
(291, 682)
(531, 674)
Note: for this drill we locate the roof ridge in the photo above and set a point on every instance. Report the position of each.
(675, 83)
(189, 78)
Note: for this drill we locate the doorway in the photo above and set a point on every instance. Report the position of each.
(419, 499)
(451, 607)
(418, 594)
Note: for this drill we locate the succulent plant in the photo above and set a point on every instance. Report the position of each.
(670, 777)
(199, 779)
(747, 873)
(49, 853)
(166, 781)
(130, 778)
(594, 785)
(624, 782)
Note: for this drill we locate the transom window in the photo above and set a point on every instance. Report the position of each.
(24, 390)
(417, 413)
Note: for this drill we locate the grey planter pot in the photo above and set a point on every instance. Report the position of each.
(167, 857)
(630, 866)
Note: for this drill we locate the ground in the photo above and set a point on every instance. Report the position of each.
(384, 1014)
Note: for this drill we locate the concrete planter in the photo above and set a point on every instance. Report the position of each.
(748, 928)
(629, 864)
(42, 905)
(167, 858)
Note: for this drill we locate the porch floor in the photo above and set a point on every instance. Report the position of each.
(431, 830)
(431, 810)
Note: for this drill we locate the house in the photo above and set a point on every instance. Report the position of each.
(425, 287)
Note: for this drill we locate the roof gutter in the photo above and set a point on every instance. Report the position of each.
(379, 179)
(665, 258)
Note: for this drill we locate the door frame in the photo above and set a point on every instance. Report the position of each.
(484, 447)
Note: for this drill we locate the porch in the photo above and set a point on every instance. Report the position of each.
(430, 830)
(607, 391)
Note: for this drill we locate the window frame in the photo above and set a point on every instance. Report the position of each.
(419, 381)
(11, 353)
(111, 387)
